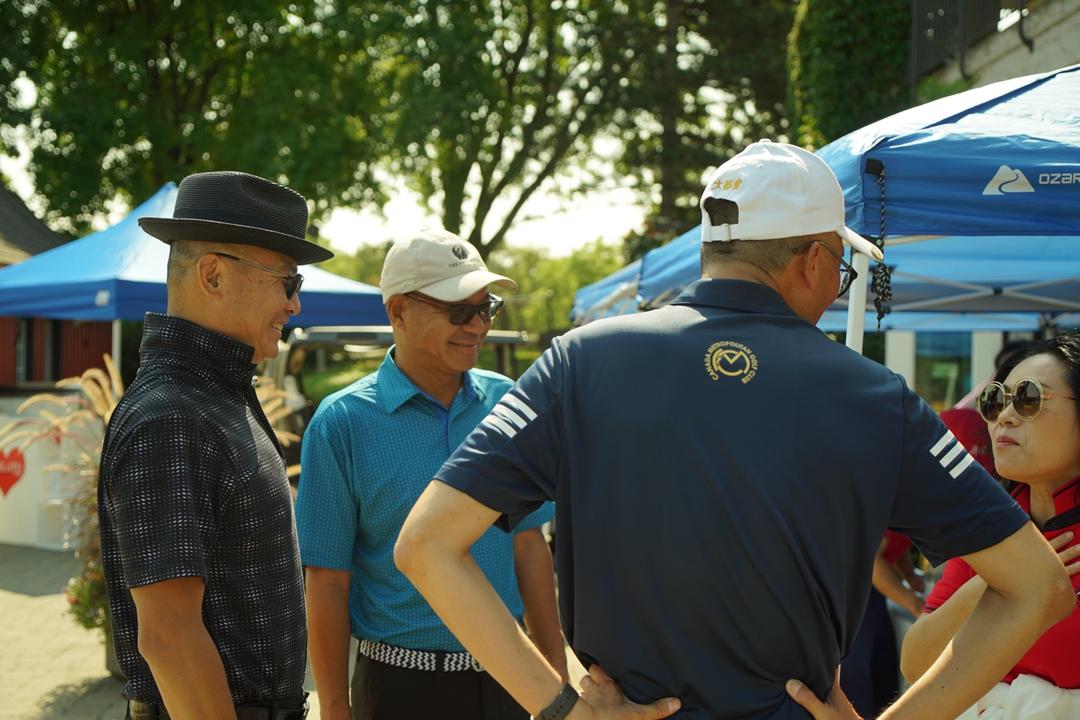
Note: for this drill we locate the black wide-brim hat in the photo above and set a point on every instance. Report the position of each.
(235, 207)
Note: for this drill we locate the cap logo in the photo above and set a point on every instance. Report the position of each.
(460, 252)
(728, 358)
(729, 184)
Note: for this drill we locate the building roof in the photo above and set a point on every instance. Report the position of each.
(21, 233)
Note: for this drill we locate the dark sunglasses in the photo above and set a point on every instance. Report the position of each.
(1026, 397)
(292, 282)
(847, 273)
(463, 313)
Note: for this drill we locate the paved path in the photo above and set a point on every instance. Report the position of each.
(50, 668)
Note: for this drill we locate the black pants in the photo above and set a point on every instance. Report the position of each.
(385, 692)
(870, 674)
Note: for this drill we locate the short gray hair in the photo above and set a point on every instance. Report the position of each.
(183, 254)
(768, 255)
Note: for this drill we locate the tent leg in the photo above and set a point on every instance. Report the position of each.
(856, 317)
(116, 343)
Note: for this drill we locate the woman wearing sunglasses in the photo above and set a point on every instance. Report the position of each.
(1032, 411)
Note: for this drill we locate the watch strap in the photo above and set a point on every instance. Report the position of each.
(561, 706)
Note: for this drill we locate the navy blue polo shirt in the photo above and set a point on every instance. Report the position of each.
(722, 475)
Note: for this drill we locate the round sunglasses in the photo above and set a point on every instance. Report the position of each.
(1027, 398)
(463, 313)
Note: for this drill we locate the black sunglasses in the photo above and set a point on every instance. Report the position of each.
(847, 273)
(463, 313)
(292, 282)
(1026, 397)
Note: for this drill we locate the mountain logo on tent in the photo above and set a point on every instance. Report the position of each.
(1007, 180)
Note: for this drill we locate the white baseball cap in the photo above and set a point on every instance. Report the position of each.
(779, 191)
(438, 264)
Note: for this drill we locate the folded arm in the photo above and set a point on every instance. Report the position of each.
(886, 580)
(1027, 591)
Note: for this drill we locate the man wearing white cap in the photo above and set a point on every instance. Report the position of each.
(724, 473)
(368, 454)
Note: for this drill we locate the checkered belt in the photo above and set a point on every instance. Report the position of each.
(429, 660)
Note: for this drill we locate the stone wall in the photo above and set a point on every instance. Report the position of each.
(1053, 25)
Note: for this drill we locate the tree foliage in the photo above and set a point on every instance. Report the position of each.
(489, 100)
(365, 264)
(477, 104)
(710, 80)
(847, 66)
(131, 95)
(546, 285)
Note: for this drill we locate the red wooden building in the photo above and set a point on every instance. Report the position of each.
(40, 350)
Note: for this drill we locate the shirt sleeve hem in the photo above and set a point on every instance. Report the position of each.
(492, 496)
(145, 579)
(993, 530)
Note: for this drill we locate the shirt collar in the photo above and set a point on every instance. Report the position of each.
(741, 295)
(1064, 496)
(171, 337)
(395, 389)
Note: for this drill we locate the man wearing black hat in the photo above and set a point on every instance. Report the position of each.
(198, 543)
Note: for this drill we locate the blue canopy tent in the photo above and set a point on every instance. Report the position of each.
(119, 274)
(1003, 160)
(999, 275)
(615, 294)
(944, 284)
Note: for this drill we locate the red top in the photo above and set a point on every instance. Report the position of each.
(1055, 656)
(896, 544)
(970, 431)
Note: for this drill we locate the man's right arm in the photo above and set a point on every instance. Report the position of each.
(180, 652)
(328, 639)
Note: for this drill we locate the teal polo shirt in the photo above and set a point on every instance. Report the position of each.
(369, 452)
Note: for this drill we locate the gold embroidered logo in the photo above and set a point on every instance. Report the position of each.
(721, 184)
(731, 359)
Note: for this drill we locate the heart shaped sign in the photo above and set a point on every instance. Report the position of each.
(11, 469)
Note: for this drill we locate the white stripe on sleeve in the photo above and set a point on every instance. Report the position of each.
(962, 466)
(519, 405)
(942, 443)
(500, 424)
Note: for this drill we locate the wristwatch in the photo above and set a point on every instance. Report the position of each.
(561, 706)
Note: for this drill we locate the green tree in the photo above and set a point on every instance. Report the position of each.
(133, 94)
(365, 264)
(709, 80)
(847, 66)
(489, 100)
(546, 285)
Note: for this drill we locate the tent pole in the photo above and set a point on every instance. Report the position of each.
(856, 311)
(116, 343)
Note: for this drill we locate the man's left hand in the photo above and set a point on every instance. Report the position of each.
(603, 698)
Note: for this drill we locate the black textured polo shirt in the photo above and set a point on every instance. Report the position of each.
(192, 484)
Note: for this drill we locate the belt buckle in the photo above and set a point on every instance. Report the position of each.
(138, 710)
